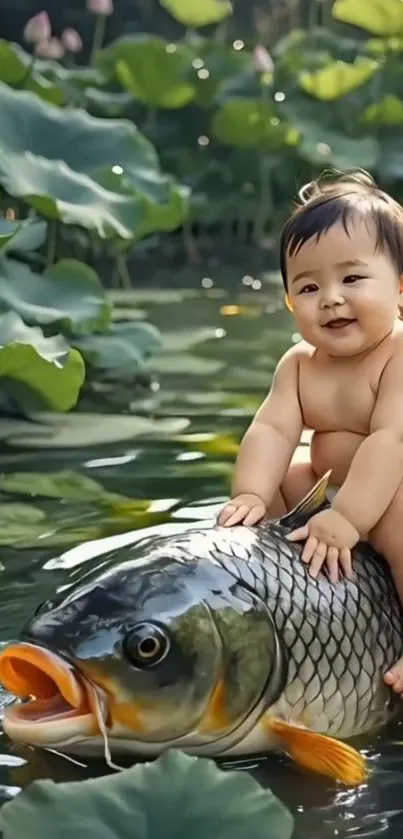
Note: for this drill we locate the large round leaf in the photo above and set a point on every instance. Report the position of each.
(152, 69)
(69, 293)
(16, 70)
(388, 111)
(123, 349)
(380, 17)
(55, 159)
(37, 370)
(8, 230)
(338, 78)
(251, 123)
(195, 798)
(199, 13)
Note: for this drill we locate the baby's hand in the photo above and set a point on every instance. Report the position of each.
(247, 509)
(329, 538)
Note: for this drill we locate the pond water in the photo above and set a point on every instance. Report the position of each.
(220, 351)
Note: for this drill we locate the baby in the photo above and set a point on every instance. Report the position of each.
(342, 267)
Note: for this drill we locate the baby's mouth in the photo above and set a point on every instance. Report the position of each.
(339, 323)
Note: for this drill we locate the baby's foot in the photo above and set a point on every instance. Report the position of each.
(394, 677)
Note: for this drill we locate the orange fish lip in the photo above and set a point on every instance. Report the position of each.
(58, 696)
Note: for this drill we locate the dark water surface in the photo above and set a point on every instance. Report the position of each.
(220, 351)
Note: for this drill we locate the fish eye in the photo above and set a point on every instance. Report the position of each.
(145, 645)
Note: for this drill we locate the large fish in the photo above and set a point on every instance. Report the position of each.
(217, 641)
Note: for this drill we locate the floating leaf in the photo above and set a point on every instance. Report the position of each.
(66, 484)
(46, 366)
(205, 800)
(251, 123)
(380, 17)
(200, 13)
(141, 62)
(338, 79)
(82, 430)
(389, 111)
(57, 159)
(122, 349)
(68, 293)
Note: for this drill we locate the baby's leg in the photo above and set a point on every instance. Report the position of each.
(387, 538)
(298, 481)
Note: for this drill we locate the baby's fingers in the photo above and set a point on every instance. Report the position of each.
(237, 514)
(255, 514)
(345, 562)
(318, 558)
(332, 561)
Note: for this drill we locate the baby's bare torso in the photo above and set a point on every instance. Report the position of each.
(337, 397)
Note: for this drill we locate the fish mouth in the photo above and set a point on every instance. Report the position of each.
(60, 705)
(339, 323)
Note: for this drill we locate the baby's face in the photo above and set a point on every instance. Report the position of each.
(344, 293)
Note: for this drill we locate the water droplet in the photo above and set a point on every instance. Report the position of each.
(238, 45)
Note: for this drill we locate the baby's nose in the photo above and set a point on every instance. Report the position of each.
(332, 297)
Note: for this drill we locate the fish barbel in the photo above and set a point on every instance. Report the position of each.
(217, 641)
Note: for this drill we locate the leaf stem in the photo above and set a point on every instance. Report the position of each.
(99, 36)
(51, 242)
(122, 271)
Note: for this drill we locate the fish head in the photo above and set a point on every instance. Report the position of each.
(162, 650)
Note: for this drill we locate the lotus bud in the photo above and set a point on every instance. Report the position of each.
(38, 28)
(100, 7)
(262, 60)
(53, 49)
(71, 40)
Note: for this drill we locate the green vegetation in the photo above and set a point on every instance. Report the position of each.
(154, 138)
(194, 797)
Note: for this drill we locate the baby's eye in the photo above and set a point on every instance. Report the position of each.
(308, 289)
(352, 278)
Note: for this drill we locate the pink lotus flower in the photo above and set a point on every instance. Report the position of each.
(100, 7)
(52, 48)
(71, 40)
(38, 28)
(262, 60)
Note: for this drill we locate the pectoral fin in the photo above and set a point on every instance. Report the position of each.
(319, 753)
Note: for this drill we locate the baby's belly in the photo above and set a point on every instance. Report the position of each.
(334, 450)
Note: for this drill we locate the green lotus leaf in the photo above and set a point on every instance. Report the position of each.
(55, 160)
(200, 13)
(36, 370)
(16, 69)
(194, 797)
(69, 293)
(380, 17)
(251, 123)
(29, 235)
(338, 79)
(388, 111)
(153, 70)
(123, 348)
(8, 230)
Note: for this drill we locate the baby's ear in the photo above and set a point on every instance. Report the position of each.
(290, 306)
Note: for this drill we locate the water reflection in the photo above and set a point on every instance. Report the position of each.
(220, 353)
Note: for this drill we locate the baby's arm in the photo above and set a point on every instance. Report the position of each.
(376, 470)
(268, 445)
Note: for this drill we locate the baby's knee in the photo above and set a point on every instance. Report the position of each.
(299, 480)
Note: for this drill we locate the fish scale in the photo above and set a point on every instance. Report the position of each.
(339, 639)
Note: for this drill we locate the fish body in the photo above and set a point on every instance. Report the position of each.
(217, 641)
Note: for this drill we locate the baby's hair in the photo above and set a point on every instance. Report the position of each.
(340, 197)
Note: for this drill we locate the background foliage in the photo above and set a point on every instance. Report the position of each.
(162, 142)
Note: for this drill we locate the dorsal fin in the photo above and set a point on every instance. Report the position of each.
(309, 505)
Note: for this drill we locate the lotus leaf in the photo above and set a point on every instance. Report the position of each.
(123, 348)
(37, 370)
(8, 230)
(202, 13)
(251, 123)
(380, 17)
(69, 293)
(193, 797)
(389, 111)
(29, 235)
(55, 159)
(16, 69)
(338, 79)
(152, 69)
